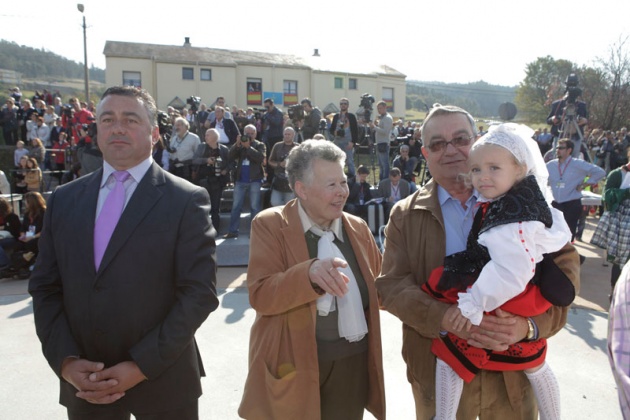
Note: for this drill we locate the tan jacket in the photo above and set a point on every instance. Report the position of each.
(415, 245)
(283, 378)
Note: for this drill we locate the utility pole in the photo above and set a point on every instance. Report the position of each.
(81, 8)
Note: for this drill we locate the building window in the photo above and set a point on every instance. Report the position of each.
(388, 97)
(205, 74)
(290, 92)
(188, 73)
(338, 82)
(352, 84)
(132, 78)
(254, 91)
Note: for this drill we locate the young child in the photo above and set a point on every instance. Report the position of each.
(514, 226)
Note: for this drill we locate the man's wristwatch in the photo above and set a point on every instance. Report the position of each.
(531, 331)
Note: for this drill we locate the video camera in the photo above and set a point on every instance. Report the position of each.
(165, 126)
(572, 89)
(366, 103)
(67, 111)
(90, 129)
(194, 102)
(296, 113)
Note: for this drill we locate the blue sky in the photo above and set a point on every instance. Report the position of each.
(447, 41)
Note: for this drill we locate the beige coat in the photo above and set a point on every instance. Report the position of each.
(415, 245)
(283, 378)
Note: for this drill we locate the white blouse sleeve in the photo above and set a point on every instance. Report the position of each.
(514, 249)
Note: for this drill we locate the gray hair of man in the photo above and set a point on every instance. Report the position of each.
(250, 127)
(403, 147)
(184, 120)
(133, 92)
(301, 158)
(215, 132)
(439, 109)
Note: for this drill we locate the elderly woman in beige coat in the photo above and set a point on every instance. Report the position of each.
(315, 346)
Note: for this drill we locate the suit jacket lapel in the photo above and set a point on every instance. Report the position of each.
(146, 195)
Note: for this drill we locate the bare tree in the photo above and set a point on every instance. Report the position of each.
(616, 67)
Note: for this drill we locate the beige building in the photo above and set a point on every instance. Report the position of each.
(245, 78)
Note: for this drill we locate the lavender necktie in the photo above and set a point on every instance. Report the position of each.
(109, 215)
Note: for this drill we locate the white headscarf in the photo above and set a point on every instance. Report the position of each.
(517, 138)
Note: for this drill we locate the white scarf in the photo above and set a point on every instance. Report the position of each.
(352, 324)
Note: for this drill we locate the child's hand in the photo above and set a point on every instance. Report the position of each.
(459, 321)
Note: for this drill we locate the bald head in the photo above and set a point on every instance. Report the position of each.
(212, 136)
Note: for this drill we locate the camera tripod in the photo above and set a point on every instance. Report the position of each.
(367, 142)
(571, 130)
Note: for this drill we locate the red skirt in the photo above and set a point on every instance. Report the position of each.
(467, 360)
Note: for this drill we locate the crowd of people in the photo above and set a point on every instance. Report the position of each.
(219, 146)
(478, 264)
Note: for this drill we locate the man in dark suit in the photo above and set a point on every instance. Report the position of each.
(392, 190)
(117, 318)
(345, 133)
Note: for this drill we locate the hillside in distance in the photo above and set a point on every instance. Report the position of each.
(479, 98)
(41, 64)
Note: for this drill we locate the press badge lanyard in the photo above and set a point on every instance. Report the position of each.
(561, 171)
(395, 192)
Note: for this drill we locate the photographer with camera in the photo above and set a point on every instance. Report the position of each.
(87, 153)
(569, 115)
(247, 156)
(281, 192)
(310, 125)
(345, 133)
(191, 115)
(81, 116)
(182, 147)
(382, 127)
(211, 167)
(272, 123)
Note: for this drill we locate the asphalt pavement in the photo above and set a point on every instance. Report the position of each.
(577, 354)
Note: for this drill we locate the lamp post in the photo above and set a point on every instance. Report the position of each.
(85, 62)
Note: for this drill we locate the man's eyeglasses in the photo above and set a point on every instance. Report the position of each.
(343, 103)
(440, 145)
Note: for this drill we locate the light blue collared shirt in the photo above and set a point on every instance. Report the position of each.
(457, 220)
(108, 181)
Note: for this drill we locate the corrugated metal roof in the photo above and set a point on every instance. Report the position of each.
(220, 57)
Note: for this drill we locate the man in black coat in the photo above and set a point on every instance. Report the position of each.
(228, 131)
(117, 326)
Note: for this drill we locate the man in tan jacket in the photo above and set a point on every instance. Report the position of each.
(422, 230)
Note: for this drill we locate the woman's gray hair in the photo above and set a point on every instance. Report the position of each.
(300, 160)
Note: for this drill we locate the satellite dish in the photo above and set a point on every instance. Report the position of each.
(507, 111)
